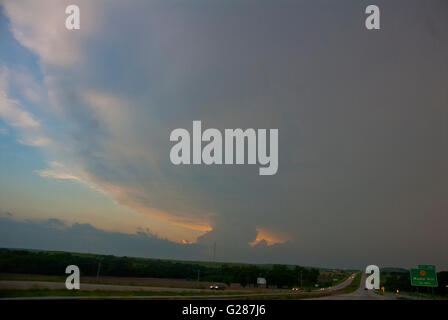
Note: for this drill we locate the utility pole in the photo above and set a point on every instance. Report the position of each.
(301, 278)
(214, 251)
(98, 271)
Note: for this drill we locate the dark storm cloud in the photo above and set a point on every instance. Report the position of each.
(54, 234)
(362, 119)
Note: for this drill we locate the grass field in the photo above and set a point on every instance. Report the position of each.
(40, 292)
(128, 281)
(352, 287)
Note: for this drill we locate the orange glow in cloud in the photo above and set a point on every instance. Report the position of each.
(127, 196)
(180, 227)
(268, 236)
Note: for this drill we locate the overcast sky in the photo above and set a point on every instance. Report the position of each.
(86, 115)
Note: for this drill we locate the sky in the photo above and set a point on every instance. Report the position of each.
(86, 116)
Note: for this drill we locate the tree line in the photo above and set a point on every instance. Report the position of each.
(402, 281)
(54, 263)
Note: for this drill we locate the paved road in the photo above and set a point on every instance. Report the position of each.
(339, 286)
(15, 284)
(23, 285)
(359, 294)
(192, 297)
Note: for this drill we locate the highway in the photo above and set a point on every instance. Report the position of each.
(195, 293)
(24, 285)
(359, 294)
(330, 293)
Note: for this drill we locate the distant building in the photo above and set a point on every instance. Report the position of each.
(261, 282)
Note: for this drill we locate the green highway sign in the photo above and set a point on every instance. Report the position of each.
(426, 267)
(424, 276)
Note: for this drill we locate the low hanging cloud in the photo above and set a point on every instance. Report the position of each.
(54, 234)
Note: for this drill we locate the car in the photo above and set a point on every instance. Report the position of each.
(296, 289)
(217, 286)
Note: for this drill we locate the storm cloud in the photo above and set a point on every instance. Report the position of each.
(362, 119)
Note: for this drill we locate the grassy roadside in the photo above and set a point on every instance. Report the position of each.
(40, 292)
(105, 281)
(131, 284)
(418, 296)
(44, 292)
(288, 296)
(352, 287)
(37, 292)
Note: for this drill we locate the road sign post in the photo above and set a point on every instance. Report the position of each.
(424, 276)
